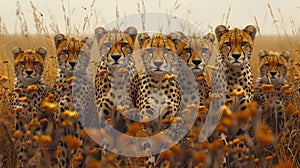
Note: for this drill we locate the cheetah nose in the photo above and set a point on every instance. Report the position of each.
(158, 64)
(29, 72)
(73, 64)
(116, 57)
(236, 56)
(273, 73)
(196, 62)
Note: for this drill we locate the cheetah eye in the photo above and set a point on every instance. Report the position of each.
(22, 62)
(149, 50)
(244, 43)
(267, 64)
(81, 53)
(124, 44)
(66, 52)
(227, 44)
(35, 63)
(188, 50)
(204, 50)
(108, 45)
(167, 50)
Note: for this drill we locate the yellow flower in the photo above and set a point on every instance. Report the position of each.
(72, 142)
(70, 79)
(45, 139)
(102, 72)
(237, 93)
(264, 135)
(32, 88)
(169, 77)
(200, 78)
(22, 99)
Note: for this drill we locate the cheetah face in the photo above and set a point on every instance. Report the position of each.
(29, 64)
(114, 46)
(196, 52)
(73, 55)
(273, 66)
(158, 54)
(236, 45)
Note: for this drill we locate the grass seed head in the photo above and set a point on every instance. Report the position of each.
(199, 156)
(264, 135)
(45, 140)
(72, 142)
(66, 123)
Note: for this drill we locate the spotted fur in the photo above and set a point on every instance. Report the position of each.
(28, 92)
(116, 74)
(273, 67)
(233, 73)
(73, 91)
(195, 52)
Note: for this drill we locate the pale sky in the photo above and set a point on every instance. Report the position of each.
(205, 14)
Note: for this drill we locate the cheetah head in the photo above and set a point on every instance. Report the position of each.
(158, 53)
(29, 64)
(115, 46)
(273, 66)
(194, 50)
(235, 45)
(73, 55)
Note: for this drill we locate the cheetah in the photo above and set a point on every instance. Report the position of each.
(28, 92)
(233, 73)
(273, 69)
(116, 74)
(158, 93)
(196, 53)
(74, 94)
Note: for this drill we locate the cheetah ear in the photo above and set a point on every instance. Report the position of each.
(176, 37)
(286, 55)
(132, 32)
(251, 30)
(42, 52)
(220, 30)
(89, 42)
(211, 37)
(99, 33)
(262, 54)
(58, 39)
(142, 37)
(17, 51)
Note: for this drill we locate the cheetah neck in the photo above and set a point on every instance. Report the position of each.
(277, 84)
(25, 83)
(156, 79)
(63, 75)
(237, 71)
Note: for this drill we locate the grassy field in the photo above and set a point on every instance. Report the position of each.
(274, 43)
